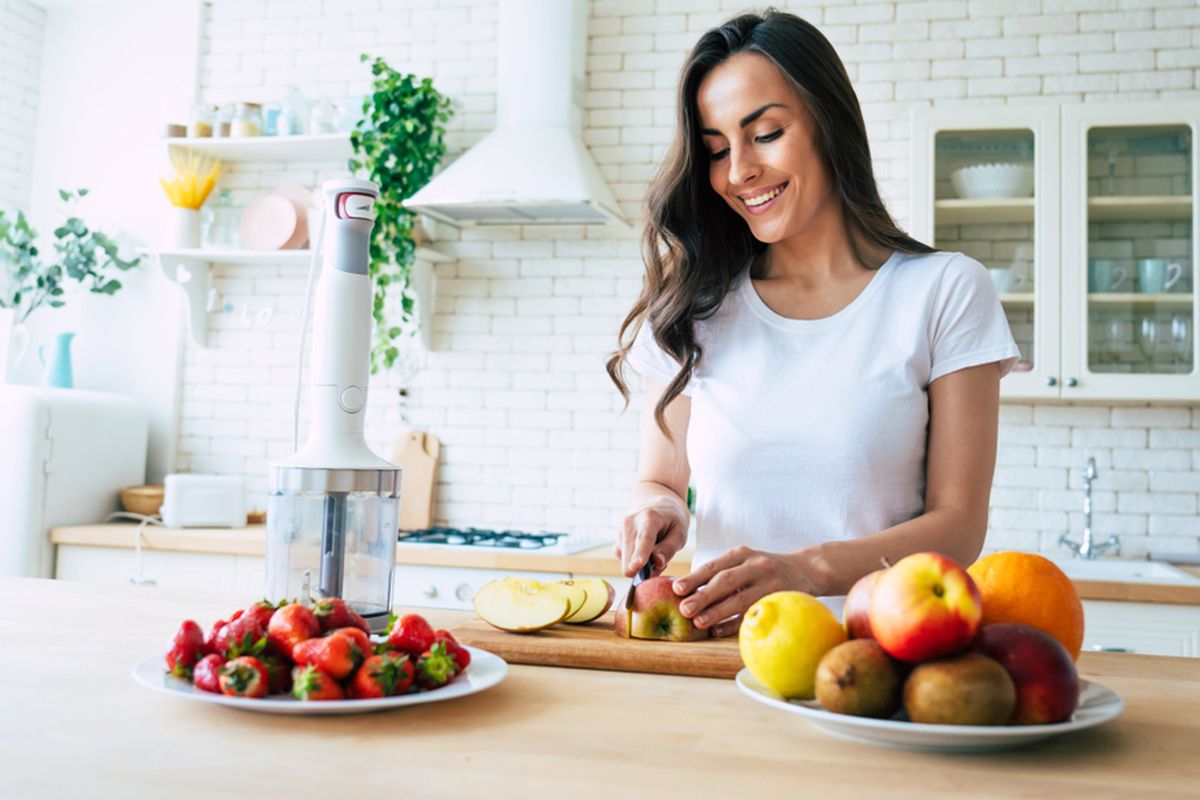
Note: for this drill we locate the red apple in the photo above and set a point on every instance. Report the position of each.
(656, 614)
(858, 605)
(1040, 667)
(925, 606)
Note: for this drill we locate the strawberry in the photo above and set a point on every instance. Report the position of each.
(185, 649)
(279, 672)
(214, 635)
(262, 611)
(243, 636)
(410, 634)
(361, 639)
(333, 613)
(206, 676)
(436, 667)
(462, 656)
(310, 683)
(244, 676)
(290, 625)
(382, 676)
(337, 654)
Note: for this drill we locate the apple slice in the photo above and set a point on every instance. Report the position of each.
(518, 608)
(600, 595)
(575, 594)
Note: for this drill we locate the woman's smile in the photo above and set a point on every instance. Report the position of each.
(758, 201)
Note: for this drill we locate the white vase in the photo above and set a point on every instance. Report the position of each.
(14, 339)
(184, 231)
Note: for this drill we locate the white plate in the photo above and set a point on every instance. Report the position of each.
(484, 672)
(1096, 705)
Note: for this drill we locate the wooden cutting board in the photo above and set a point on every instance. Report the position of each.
(595, 646)
(417, 453)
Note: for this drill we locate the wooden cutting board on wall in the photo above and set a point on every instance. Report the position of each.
(417, 453)
(595, 646)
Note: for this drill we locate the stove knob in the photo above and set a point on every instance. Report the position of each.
(464, 592)
(430, 591)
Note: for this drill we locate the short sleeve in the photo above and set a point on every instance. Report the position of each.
(968, 326)
(649, 360)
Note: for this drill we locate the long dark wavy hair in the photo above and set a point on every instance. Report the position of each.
(694, 245)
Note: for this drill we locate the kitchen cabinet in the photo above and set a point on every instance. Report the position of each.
(1092, 245)
(241, 574)
(1155, 629)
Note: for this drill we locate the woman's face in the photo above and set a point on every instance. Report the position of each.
(763, 156)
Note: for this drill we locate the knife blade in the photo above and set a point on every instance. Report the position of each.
(642, 574)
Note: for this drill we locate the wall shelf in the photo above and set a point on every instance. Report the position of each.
(191, 270)
(314, 147)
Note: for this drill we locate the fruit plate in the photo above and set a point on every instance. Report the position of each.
(484, 672)
(1097, 705)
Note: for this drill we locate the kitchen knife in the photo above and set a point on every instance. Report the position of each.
(642, 574)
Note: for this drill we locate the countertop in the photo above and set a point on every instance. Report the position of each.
(251, 541)
(77, 725)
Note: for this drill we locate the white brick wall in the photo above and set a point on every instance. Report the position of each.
(22, 30)
(514, 386)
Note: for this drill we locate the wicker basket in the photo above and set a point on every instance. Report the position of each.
(144, 500)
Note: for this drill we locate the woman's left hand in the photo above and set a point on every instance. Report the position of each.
(727, 586)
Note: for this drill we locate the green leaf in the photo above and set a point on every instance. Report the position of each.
(64, 195)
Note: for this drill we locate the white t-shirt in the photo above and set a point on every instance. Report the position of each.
(804, 431)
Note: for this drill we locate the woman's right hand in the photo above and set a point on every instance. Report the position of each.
(656, 532)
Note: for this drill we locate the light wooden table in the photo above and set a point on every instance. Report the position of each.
(73, 723)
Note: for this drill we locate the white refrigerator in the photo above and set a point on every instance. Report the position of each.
(64, 456)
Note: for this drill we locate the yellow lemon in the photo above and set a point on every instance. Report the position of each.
(782, 638)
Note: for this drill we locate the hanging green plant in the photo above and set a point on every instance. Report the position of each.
(398, 144)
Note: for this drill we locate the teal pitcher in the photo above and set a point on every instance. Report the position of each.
(58, 372)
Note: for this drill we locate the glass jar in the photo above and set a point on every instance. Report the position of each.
(293, 113)
(203, 117)
(323, 118)
(222, 121)
(247, 120)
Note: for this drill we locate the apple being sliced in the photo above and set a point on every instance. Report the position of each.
(600, 595)
(575, 594)
(519, 607)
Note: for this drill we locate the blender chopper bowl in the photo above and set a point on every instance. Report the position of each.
(333, 506)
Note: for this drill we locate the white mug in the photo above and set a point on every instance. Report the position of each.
(1005, 280)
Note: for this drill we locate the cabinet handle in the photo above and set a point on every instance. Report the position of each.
(1099, 648)
(463, 592)
(1072, 382)
(1052, 381)
(430, 591)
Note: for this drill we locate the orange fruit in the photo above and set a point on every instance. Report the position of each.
(1031, 589)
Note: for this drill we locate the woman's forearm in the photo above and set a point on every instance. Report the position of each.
(835, 565)
(652, 494)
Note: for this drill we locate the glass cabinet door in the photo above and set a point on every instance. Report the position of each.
(1130, 282)
(992, 194)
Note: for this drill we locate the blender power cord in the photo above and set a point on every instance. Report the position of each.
(137, 541)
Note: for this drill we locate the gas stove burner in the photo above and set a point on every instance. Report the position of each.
(482, 537)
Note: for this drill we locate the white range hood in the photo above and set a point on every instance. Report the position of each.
(533, 169)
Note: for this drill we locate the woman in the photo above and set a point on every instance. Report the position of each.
(828, 384)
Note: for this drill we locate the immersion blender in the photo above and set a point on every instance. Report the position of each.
(333, 506)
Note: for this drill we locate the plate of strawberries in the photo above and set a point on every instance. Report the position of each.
(317, 658)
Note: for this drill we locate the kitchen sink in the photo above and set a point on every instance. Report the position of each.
(1125, 570)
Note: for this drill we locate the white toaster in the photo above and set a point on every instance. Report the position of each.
(204, 501)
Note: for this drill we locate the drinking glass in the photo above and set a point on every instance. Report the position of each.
(1181, 341)
(1151, 341)
(1118, 340)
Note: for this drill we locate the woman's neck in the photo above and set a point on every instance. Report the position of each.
(820, 254)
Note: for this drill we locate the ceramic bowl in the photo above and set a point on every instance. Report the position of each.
(993, 181)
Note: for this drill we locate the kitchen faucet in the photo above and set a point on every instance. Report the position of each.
(1088, 548)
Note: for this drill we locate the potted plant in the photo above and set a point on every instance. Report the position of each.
(28, 281)
(397, 144)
